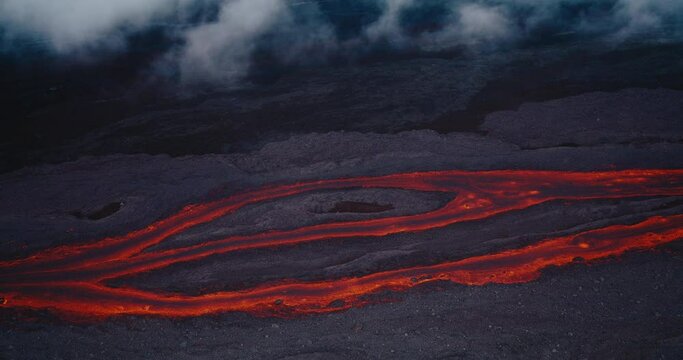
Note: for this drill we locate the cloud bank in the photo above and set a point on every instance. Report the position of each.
(226, 40)
(72, 24)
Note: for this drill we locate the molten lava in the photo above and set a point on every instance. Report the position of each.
(71, 278)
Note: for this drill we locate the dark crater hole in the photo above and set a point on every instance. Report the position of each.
(98, 213)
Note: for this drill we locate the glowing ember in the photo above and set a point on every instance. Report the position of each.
(71, 278)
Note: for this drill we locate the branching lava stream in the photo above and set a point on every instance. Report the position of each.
(72, 278)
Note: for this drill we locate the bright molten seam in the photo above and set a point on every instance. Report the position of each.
(72, 279)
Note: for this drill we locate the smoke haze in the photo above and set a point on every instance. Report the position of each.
(224, 40)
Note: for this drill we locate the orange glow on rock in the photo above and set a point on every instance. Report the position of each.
(70, 278)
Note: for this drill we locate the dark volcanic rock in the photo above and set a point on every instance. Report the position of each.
(99, 213)
(612, 309)
(633, 116)
(442, 92)
(609, 311)
(359, 207)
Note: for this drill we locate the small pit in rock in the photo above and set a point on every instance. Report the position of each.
(98, 213)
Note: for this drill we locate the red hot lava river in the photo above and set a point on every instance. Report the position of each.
(71, 279)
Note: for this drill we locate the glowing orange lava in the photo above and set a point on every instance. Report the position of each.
(71, 279)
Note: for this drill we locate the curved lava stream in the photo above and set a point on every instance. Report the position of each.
(70, 279)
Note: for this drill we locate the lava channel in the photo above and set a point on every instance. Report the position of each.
(70, 279)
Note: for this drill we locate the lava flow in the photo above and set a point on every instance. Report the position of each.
(72, 278)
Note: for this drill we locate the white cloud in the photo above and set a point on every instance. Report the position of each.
(219, 48)
(479, 23)
(71, 24)
(644, 15)
(220, 51)
(473, 25)
(388, 25)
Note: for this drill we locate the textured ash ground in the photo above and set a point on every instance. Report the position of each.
(617, 308)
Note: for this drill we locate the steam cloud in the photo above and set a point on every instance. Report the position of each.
(221, 40)
(72, 24)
